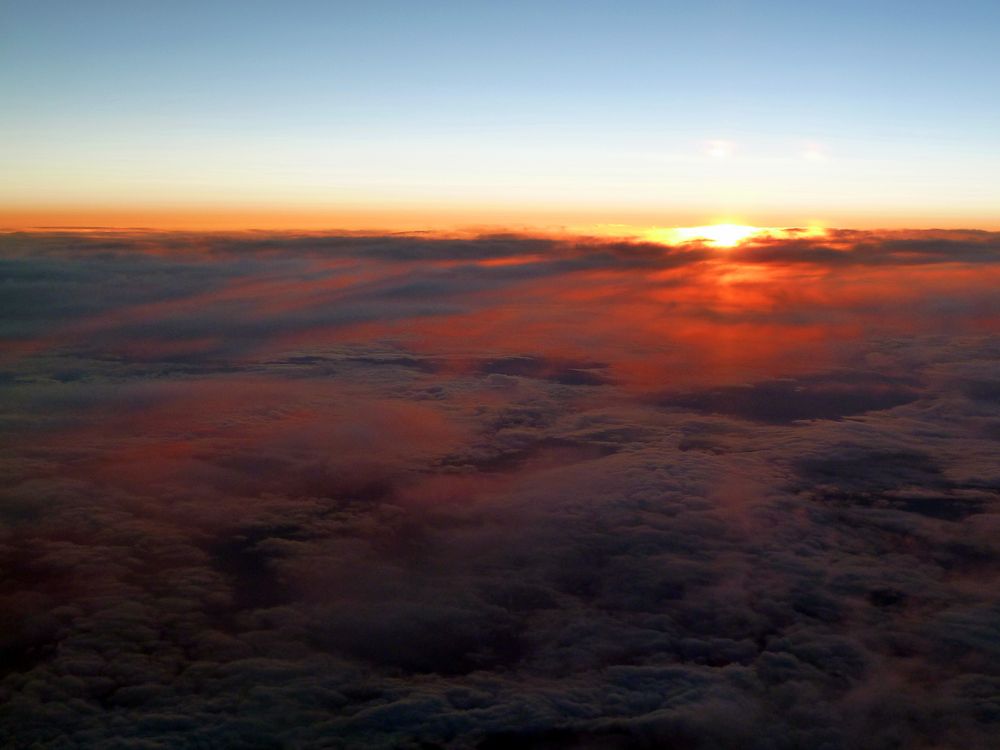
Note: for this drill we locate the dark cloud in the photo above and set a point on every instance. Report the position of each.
(565, 372)
(825, 396)
(849, 248)
(295, 491)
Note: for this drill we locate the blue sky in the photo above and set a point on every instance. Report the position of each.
(569, 104)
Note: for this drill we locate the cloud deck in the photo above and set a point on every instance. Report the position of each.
(341, 491)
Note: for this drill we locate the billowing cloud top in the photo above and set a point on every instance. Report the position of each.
(402, 491)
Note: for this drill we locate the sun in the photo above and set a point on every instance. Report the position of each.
(719, 235)
(722, 235)
(716, 235)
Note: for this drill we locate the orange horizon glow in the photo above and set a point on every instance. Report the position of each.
(726, 234)
(663, 226)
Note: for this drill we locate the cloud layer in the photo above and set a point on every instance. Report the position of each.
(295, 491)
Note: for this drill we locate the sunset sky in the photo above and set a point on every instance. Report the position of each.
(499, 375)
(445, 114)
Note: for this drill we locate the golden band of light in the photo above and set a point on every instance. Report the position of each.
(716, 235)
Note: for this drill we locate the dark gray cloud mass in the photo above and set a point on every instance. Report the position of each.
(274, 491)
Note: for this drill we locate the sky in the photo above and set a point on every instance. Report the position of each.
(440, 114)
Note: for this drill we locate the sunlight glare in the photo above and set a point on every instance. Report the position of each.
(721, 235)
(716, 235)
